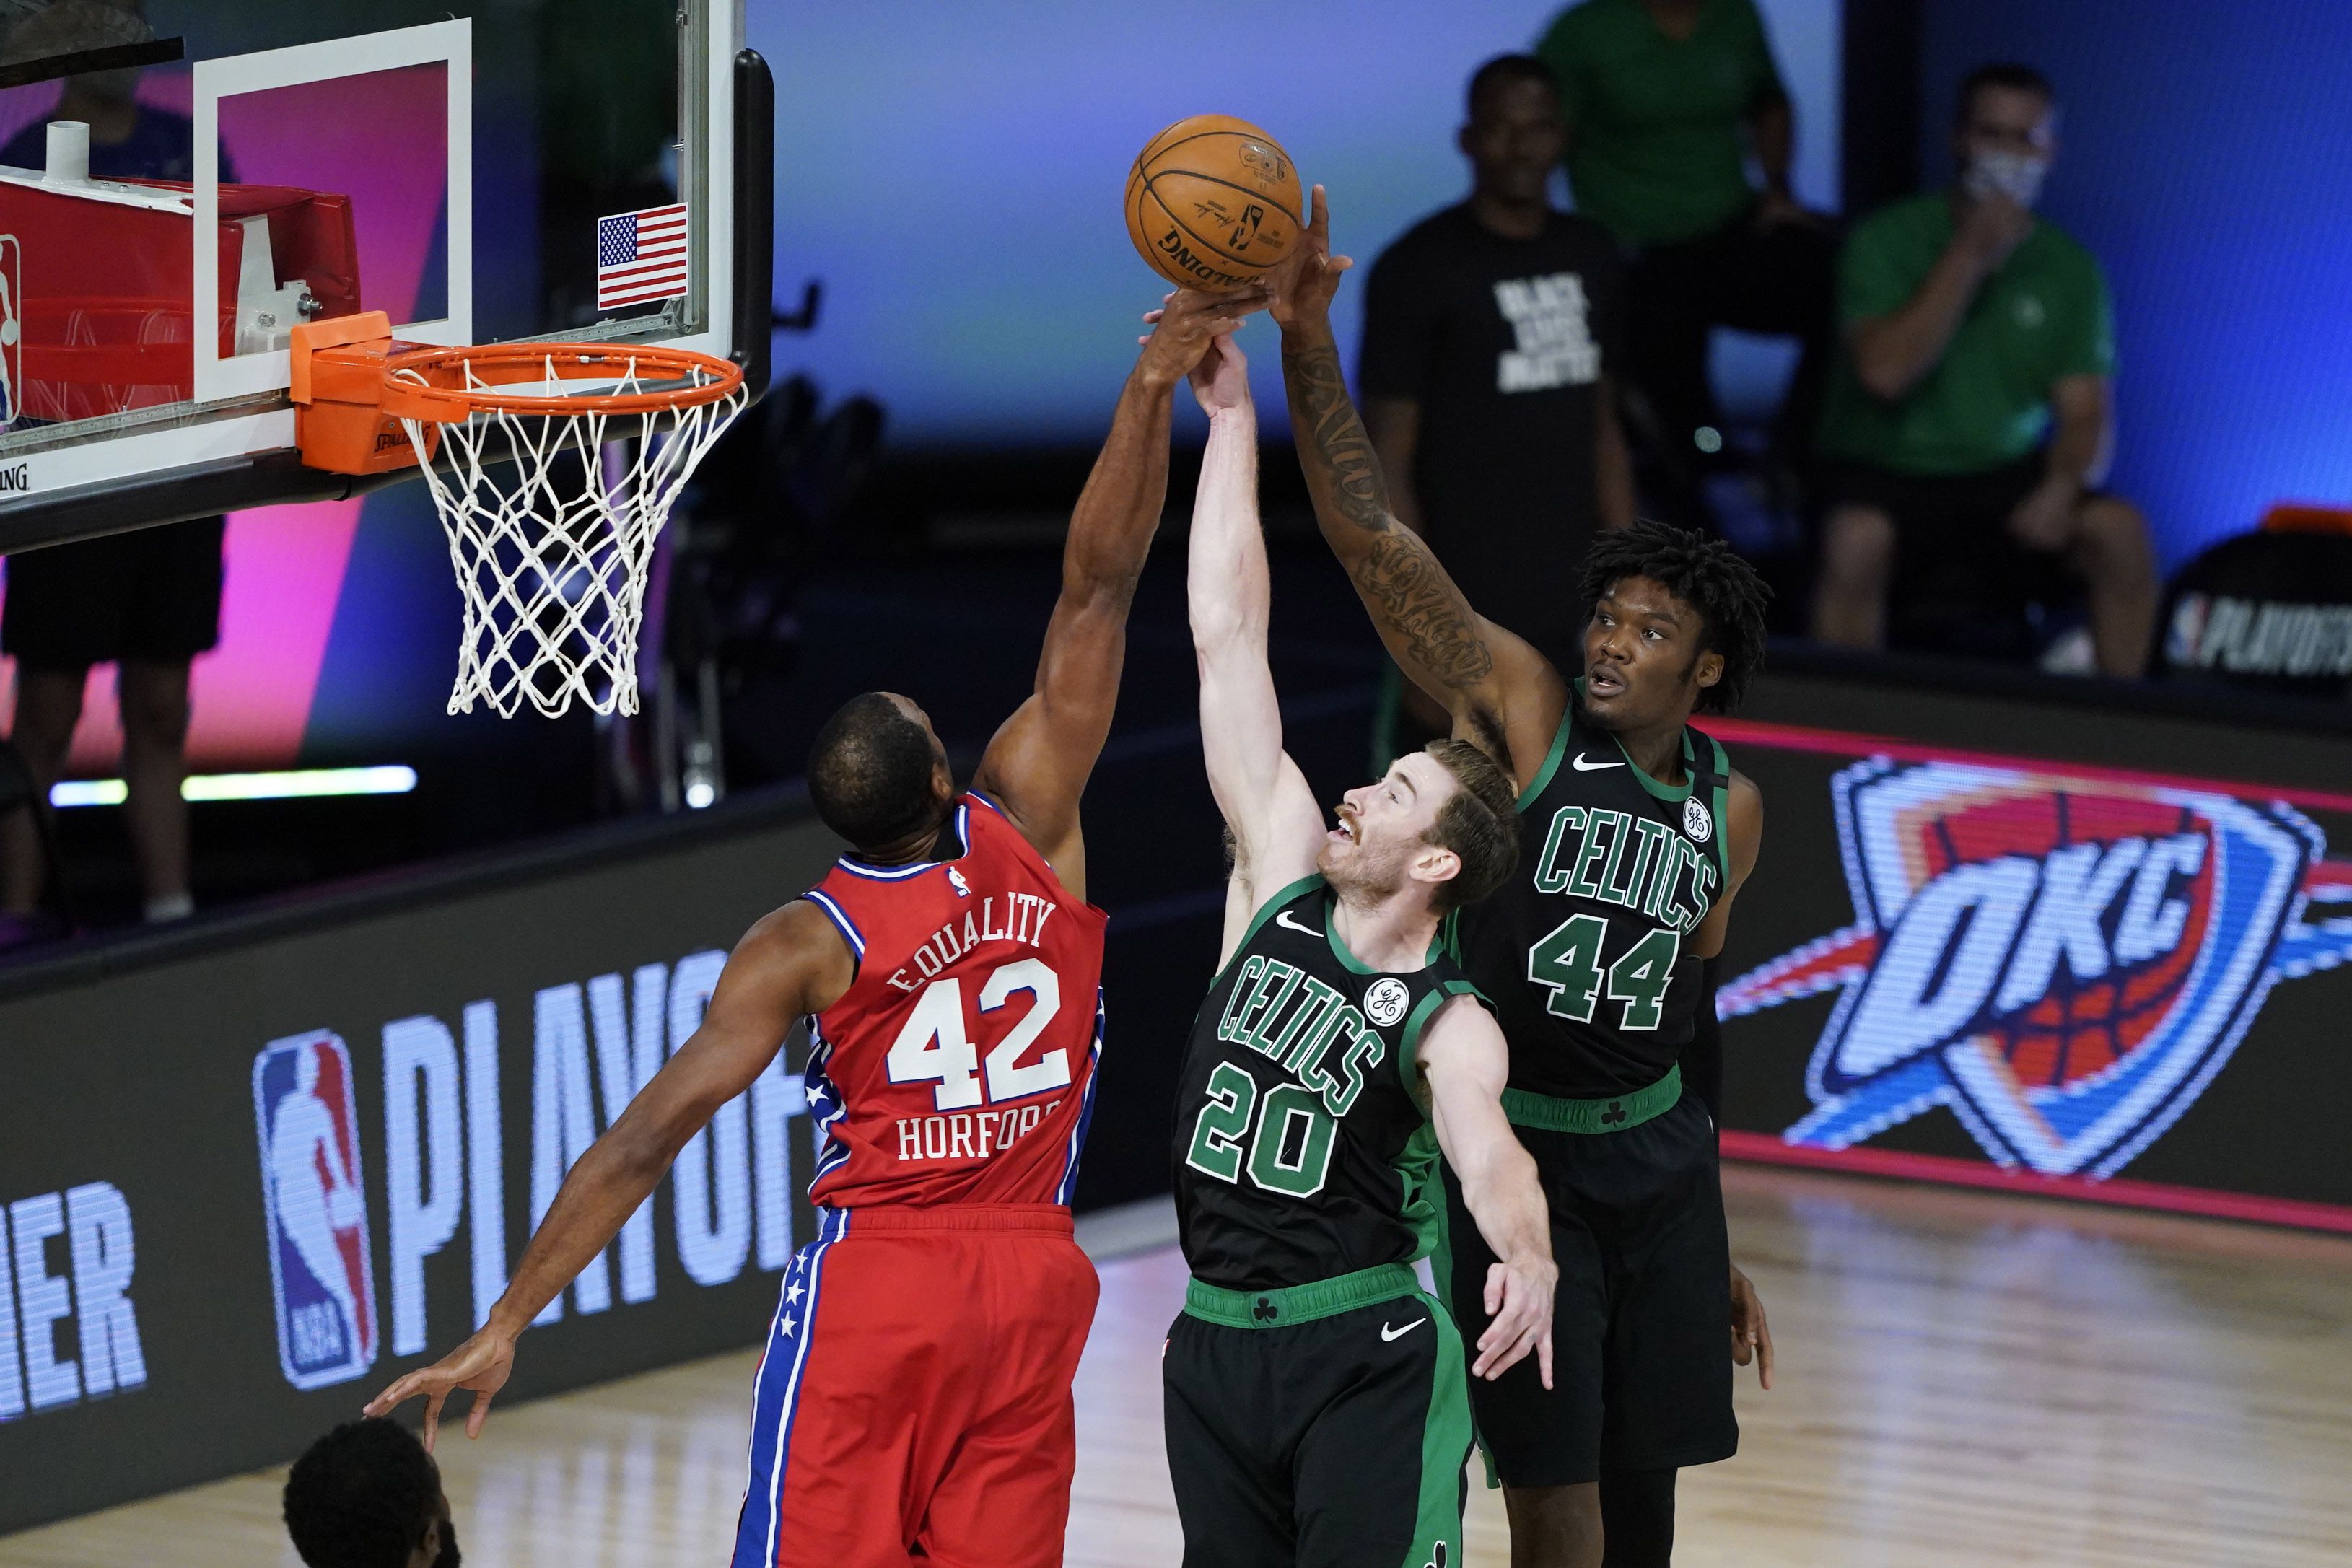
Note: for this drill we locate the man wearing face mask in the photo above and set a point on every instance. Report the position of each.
(367, 1495)
(1968, 420)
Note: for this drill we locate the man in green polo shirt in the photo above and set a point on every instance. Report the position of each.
(1967, 423)
(1665, 102)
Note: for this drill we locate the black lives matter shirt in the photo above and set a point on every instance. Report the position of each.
(1501, 342)
(1302, 1151)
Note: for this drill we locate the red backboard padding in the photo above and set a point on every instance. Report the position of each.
(102, 307)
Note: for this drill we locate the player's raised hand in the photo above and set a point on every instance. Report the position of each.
(482, 1364)
(1304, 281)
(1185, 324)
(1519, 1309)
(1751, 1336)
(1220, 380)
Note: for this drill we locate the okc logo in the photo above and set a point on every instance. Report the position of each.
(2065, 962)
(320, 1262)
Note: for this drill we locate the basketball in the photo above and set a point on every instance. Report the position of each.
(1211, 203)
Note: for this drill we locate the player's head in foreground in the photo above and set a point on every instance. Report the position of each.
(1444, 820)
(1675, 625)
(879, 776)
(367, 1495)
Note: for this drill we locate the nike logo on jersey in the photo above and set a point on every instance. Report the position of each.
(1390, 1335)
(1283, 919)
(1584, 765)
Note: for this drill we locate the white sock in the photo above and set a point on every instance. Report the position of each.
(170, 906)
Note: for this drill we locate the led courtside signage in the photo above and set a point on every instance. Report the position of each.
(2062, 963)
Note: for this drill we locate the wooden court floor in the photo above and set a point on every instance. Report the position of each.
(1965, 1380)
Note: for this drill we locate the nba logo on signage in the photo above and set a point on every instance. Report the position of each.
(315, 1200)
(2065, 963)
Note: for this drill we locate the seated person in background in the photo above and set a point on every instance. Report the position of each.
(1665, 102)
(1490, 337)
(367, 1495)
(1974, 331)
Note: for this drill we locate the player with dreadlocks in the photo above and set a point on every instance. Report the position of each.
(1637, 835)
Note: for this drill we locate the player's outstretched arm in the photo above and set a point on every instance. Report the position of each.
(1275, 824)
(1466, 1063)
(1038, 765)
(792, 962)
(1751, 1333)
(1502, 693)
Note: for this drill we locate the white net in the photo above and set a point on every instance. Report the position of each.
(552, 546)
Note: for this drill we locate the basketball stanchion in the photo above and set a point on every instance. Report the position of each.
(551, 554)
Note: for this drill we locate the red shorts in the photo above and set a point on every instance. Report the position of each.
(915, 1392)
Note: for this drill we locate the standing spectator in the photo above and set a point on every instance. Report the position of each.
(1664, 101)
(1968, 420)
(148, 601)
(367, 1495)
(1488, 336)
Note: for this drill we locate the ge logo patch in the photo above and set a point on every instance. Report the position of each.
(2030, 313)
(1697, 822)
(1385, 1002)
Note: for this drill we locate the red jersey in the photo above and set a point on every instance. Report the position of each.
(959, 1065)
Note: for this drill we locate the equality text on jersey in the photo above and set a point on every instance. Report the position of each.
(1633, 860)
(1001, 917)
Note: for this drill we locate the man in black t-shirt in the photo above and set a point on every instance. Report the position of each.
(1489, 331)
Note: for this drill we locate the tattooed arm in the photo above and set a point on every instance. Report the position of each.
(1502, 693)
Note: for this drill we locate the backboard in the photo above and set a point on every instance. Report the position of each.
(184, 182)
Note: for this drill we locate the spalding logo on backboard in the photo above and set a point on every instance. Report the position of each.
(2065, 962)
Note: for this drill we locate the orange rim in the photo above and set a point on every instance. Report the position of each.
(431, 383)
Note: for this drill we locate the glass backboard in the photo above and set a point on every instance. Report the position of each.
(184, 182)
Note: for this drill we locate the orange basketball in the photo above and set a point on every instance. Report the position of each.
(1211, 203)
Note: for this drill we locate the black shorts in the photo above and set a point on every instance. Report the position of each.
(1641, 1321)
(151, 594)
(1317, 1441)
(1944, 522)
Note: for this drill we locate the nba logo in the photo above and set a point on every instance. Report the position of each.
(321, 1268)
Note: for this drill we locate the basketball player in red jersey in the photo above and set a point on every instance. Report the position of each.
(914, 1401)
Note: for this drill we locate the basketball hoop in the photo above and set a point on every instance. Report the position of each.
(552, 549)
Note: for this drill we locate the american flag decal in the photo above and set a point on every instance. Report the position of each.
(640, 256)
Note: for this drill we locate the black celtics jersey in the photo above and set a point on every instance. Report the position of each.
(1302, 1147)
(1583, 952)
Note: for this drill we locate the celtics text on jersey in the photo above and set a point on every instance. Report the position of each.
(1584, 951)
(1303, 1146)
